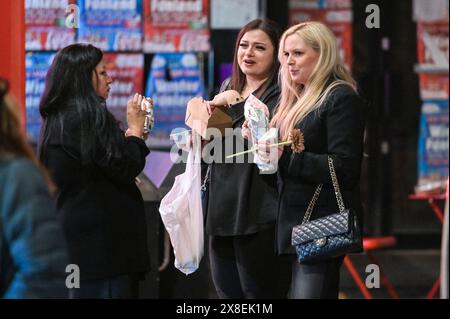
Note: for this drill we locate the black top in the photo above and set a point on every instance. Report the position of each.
(240, 202)
(102, 208)
(336, 128)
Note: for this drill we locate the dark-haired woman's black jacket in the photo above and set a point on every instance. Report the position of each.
(102, 208)
(336, 128)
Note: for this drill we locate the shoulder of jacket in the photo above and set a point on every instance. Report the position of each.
(273, 91)
(17, 165)
(22, 169)
(342, 91)
(22, 175)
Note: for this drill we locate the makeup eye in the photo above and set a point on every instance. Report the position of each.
(260, 48)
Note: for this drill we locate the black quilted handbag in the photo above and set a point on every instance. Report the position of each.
(330, 236)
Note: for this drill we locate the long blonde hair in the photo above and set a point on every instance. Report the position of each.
(296, 102)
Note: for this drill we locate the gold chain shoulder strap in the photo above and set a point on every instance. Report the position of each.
(337, 192)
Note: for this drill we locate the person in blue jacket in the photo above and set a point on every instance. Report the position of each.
(33, 255)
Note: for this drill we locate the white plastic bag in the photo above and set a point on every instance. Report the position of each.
(182, 215)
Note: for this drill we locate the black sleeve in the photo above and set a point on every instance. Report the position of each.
(344, 120)
(126, 167)
(123, 165)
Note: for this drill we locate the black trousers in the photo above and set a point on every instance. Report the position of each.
(120, 287)
(246, 266)
(316, 281)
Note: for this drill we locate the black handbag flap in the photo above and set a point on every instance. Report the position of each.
(334, 224)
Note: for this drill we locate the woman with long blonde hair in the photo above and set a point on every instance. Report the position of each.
(305, 91)
(318, 96)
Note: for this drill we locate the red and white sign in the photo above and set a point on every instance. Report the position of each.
(432, 43)
(176, 25)
(432, 55)
(45, 23)
(127, 73)
(339, 21)
(433, 86)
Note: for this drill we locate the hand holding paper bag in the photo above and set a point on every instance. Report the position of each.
(200, 120)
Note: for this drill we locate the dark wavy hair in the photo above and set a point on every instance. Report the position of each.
(69, 92)
(273, 31)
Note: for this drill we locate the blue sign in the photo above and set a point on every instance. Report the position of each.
(37, 65)
(433, 144)
(173, 80)
(112, 25)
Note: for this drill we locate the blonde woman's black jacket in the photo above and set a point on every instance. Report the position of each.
(102, 208)
(335, 129)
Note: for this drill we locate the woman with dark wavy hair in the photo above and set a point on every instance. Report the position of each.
(94, 164)
(241, 213)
